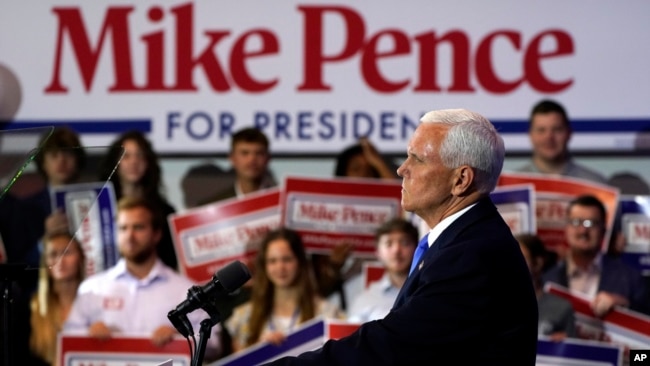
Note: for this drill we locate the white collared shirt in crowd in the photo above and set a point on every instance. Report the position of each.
(131, 306)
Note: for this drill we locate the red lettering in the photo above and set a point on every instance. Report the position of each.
(116, 23)
(484, 65)
(642, 231)
(70, 23)
(428, 46)
(534, 56)
(317, 212)
(473, 62)
(185, 53)
(239, 56)
(314, 57)
(253, 234)
(210, 241)
(370, 57)
(366, 47)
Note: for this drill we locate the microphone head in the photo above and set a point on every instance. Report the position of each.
(233, 276)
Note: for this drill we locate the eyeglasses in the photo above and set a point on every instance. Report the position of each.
(586, 223)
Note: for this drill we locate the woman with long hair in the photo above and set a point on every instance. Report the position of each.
(62, 270)
(283, 294)
(139, 175)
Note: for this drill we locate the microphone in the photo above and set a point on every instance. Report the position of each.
(226, 280)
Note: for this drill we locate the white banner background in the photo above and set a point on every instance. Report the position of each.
(606, 69)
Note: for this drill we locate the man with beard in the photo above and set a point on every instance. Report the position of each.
(549, 131)
(133, 297)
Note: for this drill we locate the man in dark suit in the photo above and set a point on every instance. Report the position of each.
(470, 298)
(605, 279)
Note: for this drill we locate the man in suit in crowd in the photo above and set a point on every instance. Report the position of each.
(605, 279)
(469, 299)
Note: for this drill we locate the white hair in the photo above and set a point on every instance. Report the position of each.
(471, 140)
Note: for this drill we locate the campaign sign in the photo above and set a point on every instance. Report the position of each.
(552, 197)
(516, 204)
(307, 337)
(572, 352)
(337, 329)
(372, 272)
(90, 209)
(329, 211)
(621, 326)
(635, 226)
(76, 350)
(211, 236)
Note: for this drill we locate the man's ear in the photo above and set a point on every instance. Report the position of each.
(463, 177)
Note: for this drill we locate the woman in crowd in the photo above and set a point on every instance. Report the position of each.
(283, 294)
(139, 175)
(62, 270)
(362, 160)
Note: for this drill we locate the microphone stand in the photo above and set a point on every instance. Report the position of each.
(204, 333)
(8, 275)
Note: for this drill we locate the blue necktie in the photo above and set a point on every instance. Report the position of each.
(423, 245)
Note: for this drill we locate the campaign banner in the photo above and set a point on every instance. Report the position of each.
(208, 237)
(635, 226)
(73, 350)
(308, 336)
(91, 210)
(516, 204)
(371, 272)
(621, 327)
(572, 352)
(317, 76)
(337, 329)
(330, 211)
(552, 197)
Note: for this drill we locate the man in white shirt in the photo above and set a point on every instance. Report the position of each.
(396, 242)
(133, 297)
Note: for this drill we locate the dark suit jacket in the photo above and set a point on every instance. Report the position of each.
(471, 303)
(616, 277)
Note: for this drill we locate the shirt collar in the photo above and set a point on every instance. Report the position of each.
(594, 268)
(384, 283)
(445, 223)
(158, 271)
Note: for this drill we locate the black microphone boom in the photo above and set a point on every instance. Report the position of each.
(226, 280)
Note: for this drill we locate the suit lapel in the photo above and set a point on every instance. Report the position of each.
(483, 207)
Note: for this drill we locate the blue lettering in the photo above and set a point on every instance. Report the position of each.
(200, 117)
(359, 117)
(261, 120)
(172, 123)
(386, 125)
(304, 123)
(282, 121)
(326, 121)
(406, 123)
(226, 122)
